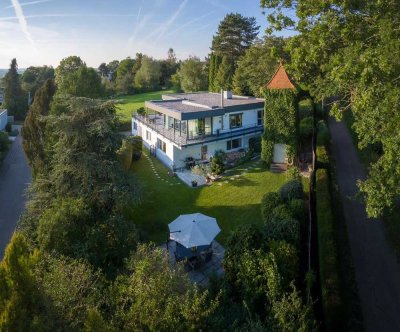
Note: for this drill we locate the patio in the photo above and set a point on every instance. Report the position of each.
(187, 177)
(202, 275)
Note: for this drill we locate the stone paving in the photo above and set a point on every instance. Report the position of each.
(202, 275)
(169, 180)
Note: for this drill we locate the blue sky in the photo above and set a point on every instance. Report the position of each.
(39, 32)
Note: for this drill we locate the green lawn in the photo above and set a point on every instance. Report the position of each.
(128, 104)
(233, 203)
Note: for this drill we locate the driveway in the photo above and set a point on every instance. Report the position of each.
(15, 175)
(377, 271)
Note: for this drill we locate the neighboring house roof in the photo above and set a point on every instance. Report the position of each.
(186, 106)
(280, 80)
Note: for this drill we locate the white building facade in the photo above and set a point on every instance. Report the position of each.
(193, 126)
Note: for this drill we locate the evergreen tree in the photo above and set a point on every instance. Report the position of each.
(224, 76)
(33, 131)
(14, 99)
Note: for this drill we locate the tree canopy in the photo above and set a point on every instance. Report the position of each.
(193, 75)
(352, 50)
(14, 99)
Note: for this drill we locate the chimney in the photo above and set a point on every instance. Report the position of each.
(222, 98)
(228, 94)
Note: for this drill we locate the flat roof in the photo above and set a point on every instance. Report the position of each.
(187, 106)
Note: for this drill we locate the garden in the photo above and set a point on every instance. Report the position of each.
(233, 201)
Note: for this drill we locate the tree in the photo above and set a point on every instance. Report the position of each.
(21, 304)
(34, 77)
(257, 65)
(180, 305)
(14, 99)
(352, 50)
(224, 76)
(192, 75)
(148, 76)
(235, 34)
(33, 131)
(75, 78)
(112, 67)
(104, 70)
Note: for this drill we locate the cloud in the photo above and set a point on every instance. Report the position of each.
(22, 21)
(31, 3)
(159, 33)
(189, 23)
(12, 18)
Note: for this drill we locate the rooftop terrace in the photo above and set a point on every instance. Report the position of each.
(187, 106)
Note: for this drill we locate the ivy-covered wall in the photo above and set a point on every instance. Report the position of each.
(280, 122)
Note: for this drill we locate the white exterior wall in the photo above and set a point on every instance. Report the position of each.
(175, 156)
(3, 119)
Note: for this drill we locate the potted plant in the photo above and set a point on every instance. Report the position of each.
(194, 183)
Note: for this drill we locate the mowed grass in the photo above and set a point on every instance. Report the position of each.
(232, 204)
(128, 104)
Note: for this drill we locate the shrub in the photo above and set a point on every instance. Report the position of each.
(296, 209)
(306, 127)
(255, 144)
(124, 154)
(285, 229)
(291, 190)
(141, 111)
(8, 127)
(305, 108)
(280, 212)
(218, 162)
(328, 260)
(267, 150)
(293, 173)
(322, 133)
(3, 141)
(268, 203)
(137, 146)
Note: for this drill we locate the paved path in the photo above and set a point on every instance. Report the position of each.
(377, 271)
(15, 175)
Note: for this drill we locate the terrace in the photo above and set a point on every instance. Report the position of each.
(177, 130)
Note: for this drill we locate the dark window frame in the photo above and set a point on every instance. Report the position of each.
(238, 120)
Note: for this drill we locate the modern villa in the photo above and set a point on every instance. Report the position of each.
(192, 126)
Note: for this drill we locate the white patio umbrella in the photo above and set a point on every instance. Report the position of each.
(194, 230)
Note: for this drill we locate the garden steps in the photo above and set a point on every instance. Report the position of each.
(278, 168)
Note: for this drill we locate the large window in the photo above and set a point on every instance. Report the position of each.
(161, 145)
(259, 118)
(148, 135)
(235, 120)
(234, 144)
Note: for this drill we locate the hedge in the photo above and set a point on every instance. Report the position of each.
(327, 252)
(124, 154)
(322, 143)
(137, 146)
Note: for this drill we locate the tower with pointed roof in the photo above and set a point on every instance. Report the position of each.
(279, 142)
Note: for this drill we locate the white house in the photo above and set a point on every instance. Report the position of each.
(195, 125)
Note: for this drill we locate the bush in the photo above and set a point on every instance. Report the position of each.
(218, 162)
(124, 154)
(291, 190)
(328, 260)
(305, 108)
(322, 143)
(296, 209)
(268, 203)
(255, 144)
(137, 147)
(267, 150)
(141, 111)
(3, 141)
(322, 133)
(285, 229)
(293, 173)
(306, 127)
(8, 127)
(280, 212)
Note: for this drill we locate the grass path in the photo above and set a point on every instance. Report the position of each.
(233, 201)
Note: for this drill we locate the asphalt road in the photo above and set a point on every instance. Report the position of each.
(377, 271)
(15, 176)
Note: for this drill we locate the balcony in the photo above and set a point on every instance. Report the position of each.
(181, 138)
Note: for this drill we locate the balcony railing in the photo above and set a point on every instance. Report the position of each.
(182, 138)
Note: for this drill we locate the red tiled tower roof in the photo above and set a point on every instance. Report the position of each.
(280, 80)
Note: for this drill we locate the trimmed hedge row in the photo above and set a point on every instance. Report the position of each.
(130, 151)
(328, 261)
(322, 143)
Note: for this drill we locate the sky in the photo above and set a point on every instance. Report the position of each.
(42, 32)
